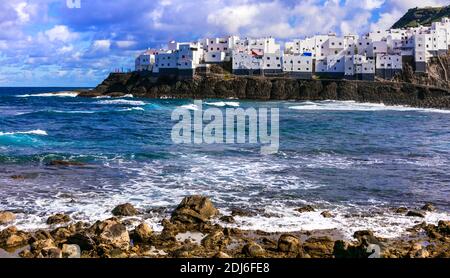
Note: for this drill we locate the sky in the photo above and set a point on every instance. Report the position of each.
(61, 43)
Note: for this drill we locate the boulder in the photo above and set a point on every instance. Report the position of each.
(401, 210)
(413, 213)
(59, 218)
(307, 208)
(11, 238)
(6, 217)
(343, 249)
(50, 253)
(194, 210)
(125, 210)
(71, 251)
(227, 219)
(221, 255)
(253, 250)
(289, 243)
(61, 234)
(327, 214)
(111, 232)
(37, 246)
(428, 207)
(319, 247)
(215, 240)
(143, 233)
(444, 227)
(82, 239)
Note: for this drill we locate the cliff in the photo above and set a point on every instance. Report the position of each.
(422, 16)
(272, 88)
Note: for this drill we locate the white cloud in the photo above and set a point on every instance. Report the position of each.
(102, 45)
(60, 33)
(125, 44)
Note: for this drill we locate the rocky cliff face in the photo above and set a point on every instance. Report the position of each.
(265, 88)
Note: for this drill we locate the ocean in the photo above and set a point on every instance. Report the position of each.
(357, 160)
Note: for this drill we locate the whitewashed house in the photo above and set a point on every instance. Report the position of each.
(272, 63)
(298, 65)
(146, 60)
(331, 67)
(388, 65)
(359, 67)
(247, 63)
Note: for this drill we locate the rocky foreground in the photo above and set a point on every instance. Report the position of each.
(190, 233)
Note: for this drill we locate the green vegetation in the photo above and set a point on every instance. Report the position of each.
(422, 16)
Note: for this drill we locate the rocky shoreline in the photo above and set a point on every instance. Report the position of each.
(190, 232)
(223, 86)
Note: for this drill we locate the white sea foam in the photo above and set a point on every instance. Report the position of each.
(128, 96)
(331, 105)
(60, 94)
(190, 107)
(31, 132)
(223, 103)
(121, 102)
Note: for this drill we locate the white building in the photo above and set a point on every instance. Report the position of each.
(298, 65)
(146, 60)
(388, 65)
(247, 63)
(272, 63)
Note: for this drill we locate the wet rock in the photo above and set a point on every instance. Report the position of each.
(428, 207)
(71, 251)
(26, 254)
(289, 243)
(125, 210)
(307, 208)
(143, 233)
(40, 235)
(319, 247)
(242, 212)
(82, 239)
(50, 253)
(61, 234)
(58, 219)
(401, 210)
(37, 246)
(327, 214)
(65, 163)
(343, 249)
(194, 210)
(253, 250)
(111, 232)
(413, 213)
(215, 240)
(227, 219)
(6, 217)
(222, 255)
(11, 237)
(117, 253)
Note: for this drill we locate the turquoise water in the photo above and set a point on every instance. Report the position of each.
(356, 160)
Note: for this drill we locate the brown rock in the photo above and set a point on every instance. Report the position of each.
(289, 243)
(319, 247)
(6, 217)
(61, 234)
(227, 219)
(253, 250)
(71, 251)
(12, 238)
(111, 232)
(143, 233)
(222, 255)
(194, 209)
(37, 246)
(444, 227)
(50, 253)
(125, 210)
(215, 240)
(65, 163)
(401, 210)
(307, 208)
(413, 213)
(58, 219)
(241, 212)
(327, 214)
(428, 207)
(82, 239)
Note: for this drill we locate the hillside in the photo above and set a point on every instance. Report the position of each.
(422, 16)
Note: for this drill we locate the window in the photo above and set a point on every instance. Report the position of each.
(268, 65)
(214, 55)
(183, 56)
(279, 65)
(278, 58)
